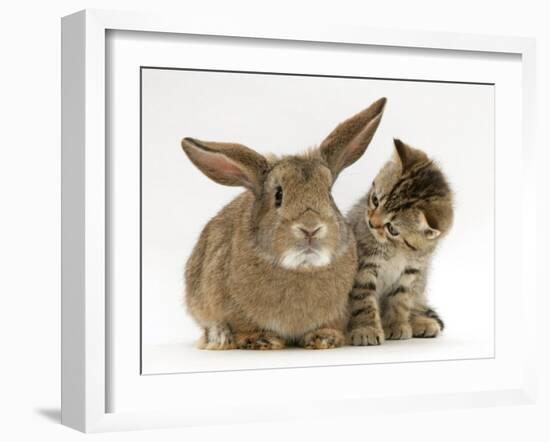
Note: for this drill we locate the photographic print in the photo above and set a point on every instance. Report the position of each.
(327, 220)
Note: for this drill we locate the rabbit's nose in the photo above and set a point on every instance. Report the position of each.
(309, 232)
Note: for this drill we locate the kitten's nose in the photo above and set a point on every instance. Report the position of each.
(375, 222)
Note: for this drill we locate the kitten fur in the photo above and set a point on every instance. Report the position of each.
(398, 225)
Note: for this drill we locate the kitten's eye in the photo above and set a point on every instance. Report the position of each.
(278, 196)
(391, 229)
(375, 200)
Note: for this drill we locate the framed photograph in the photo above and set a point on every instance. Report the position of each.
(332, 196)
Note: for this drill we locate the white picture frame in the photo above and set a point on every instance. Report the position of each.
(86, 354)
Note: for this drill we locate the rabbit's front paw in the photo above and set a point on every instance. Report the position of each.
(217, 337)
(323, 338)
(398, 330)
(259, 341)
(366, 335)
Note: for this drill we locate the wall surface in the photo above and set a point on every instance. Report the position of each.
(30, 221)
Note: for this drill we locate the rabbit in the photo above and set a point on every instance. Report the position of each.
(275, 266)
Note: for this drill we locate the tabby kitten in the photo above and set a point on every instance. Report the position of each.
(398, 224)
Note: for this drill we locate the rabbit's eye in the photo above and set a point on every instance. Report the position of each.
(392, 230)
(375, 200)
(278, 196)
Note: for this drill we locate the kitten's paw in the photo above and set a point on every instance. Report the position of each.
(323, 338)
(400, 330)
(426, 328)
(259, 341)
(366, 335)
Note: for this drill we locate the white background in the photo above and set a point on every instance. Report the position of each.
(453, 123)
(29, 318)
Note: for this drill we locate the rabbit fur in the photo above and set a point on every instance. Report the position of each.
(275, 266)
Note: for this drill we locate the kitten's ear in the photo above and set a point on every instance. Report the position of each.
(227, 163)
(345, 144)
(431, 233)
(407, 155)
(428, 225)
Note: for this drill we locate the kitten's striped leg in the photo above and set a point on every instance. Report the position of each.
(397, 311)
(426, 323)
(365, 326)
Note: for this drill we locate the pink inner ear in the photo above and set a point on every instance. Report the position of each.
(223, 165)
(221, 168)
(354, 148)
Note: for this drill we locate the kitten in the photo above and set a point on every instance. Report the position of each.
(398, 224)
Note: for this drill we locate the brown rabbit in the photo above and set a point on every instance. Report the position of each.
(276, 265)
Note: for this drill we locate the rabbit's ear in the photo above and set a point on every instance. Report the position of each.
(350, 139)
(227, 163)
(407, 155)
